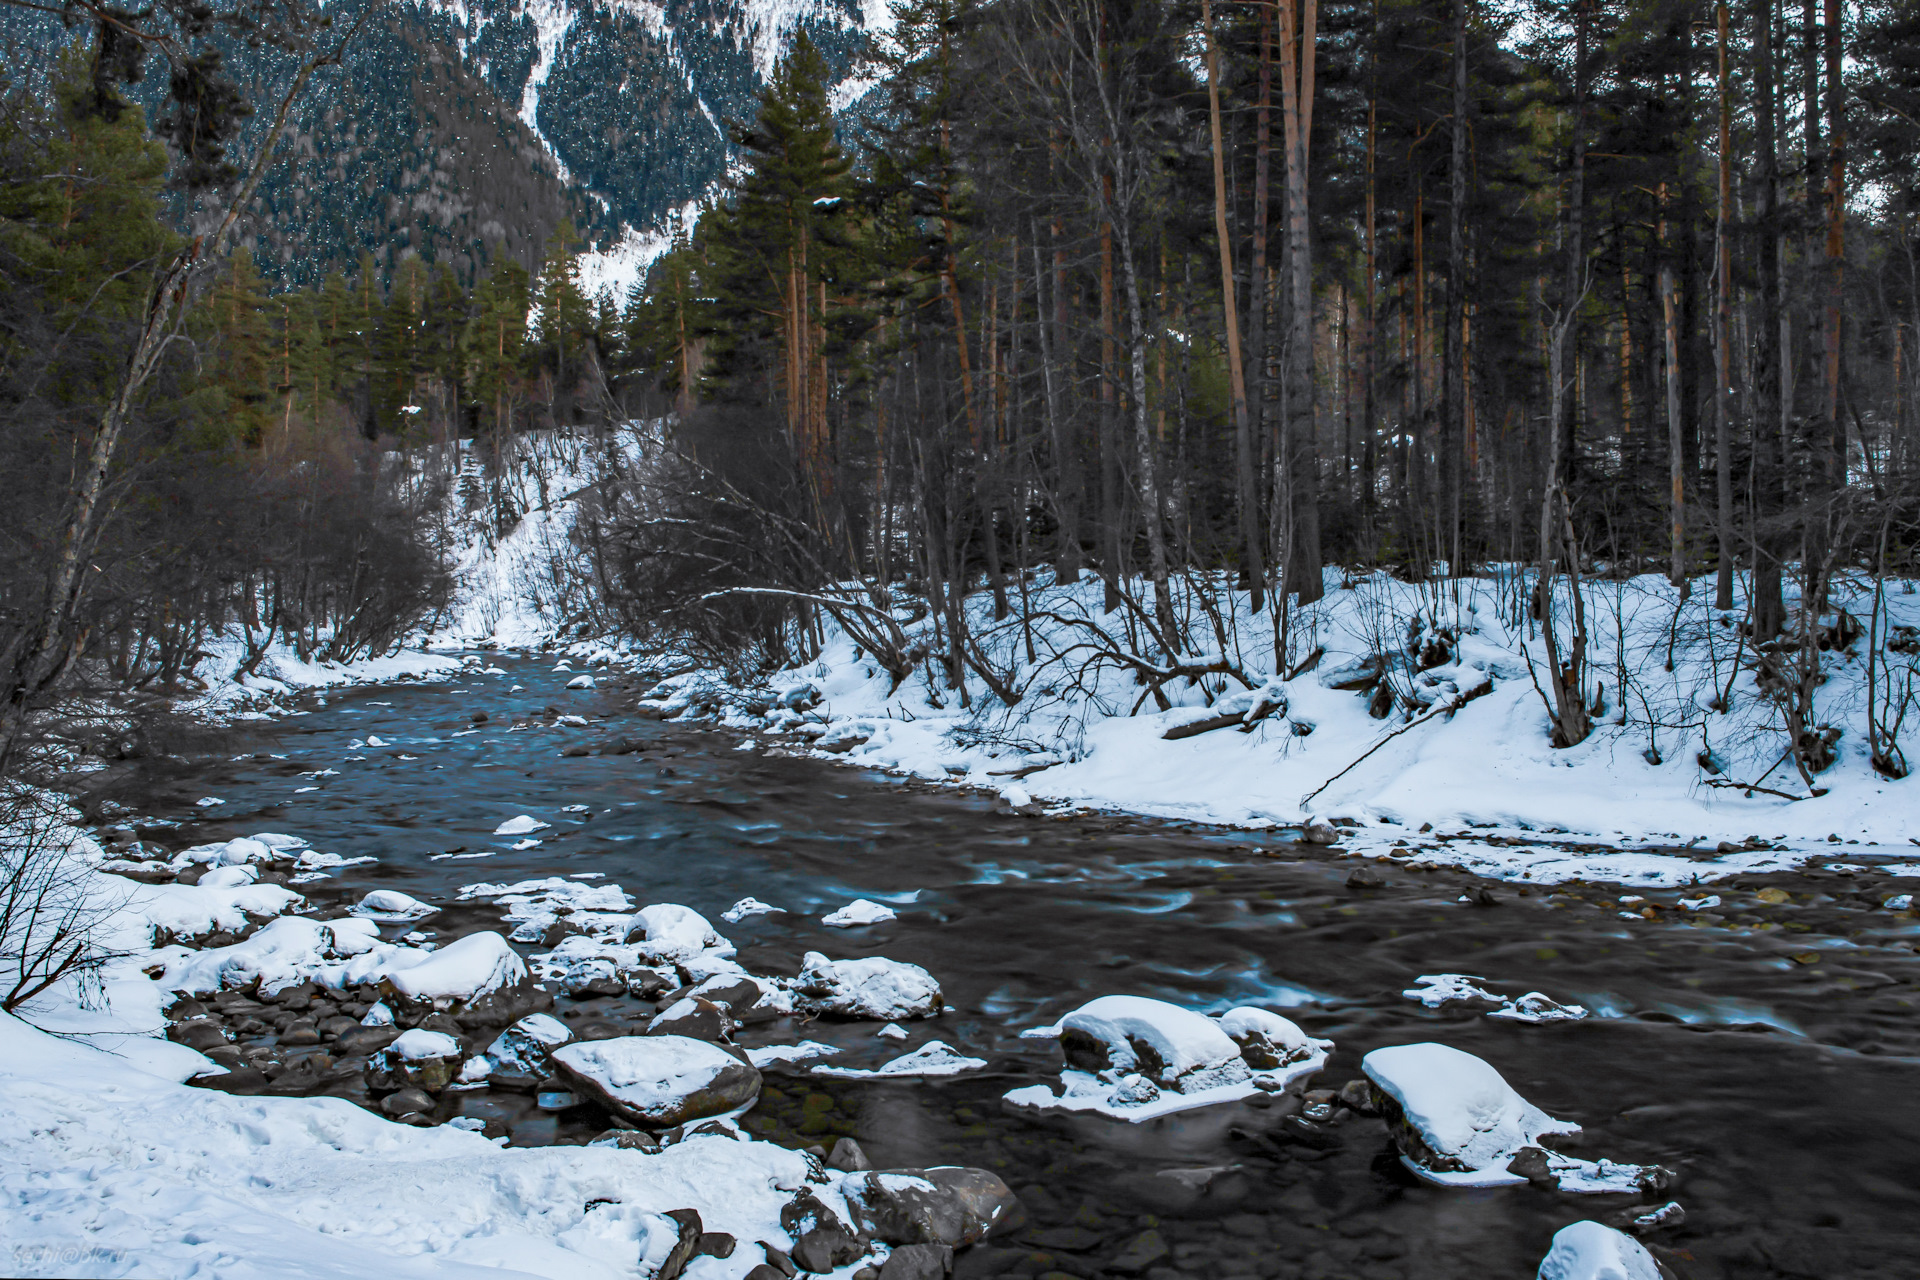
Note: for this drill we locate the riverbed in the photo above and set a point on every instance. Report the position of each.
(1764, 1049)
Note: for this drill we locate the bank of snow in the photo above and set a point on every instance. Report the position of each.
(1460, 659)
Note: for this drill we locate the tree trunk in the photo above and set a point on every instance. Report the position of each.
(1303, 574)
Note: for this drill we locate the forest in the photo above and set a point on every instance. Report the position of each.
(1207, 304)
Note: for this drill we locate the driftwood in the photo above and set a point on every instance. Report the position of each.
(1226, 721)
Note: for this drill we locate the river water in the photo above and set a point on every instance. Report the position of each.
(1769, 1055)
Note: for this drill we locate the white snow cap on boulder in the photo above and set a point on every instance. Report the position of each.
(1464, 1113)
(858, 912)
(888, 990)
(476, 965)
(749, 907)
(580, 682)
(660, 1081)
(1589, 1251)
(669, 931)
(227, 853)
(392, 905)
(419, 1044)
(519, 826)
(1176, 1048)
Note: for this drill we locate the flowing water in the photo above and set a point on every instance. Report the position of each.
(1768, 1055)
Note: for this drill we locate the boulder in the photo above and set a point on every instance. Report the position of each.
(918, 1262)
(391, 906)
(1267, 1041)
(861, 911)
(480, 977)
(1589, 1251)
(525, 1047)
(950, 1205)
(659, 1082)
(1455, 1119)
(1177, 1049)
(667, 932)
(693, 1016)
(887, 990)
(417, 1059)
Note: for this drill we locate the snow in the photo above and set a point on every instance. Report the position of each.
(470, 967)
(520, 826)
(1587, 1250)
(860, 911)
(1503, 801)
(767, 1055)
(748, 907)
(392, 906)
(1463, 1109)
(418, 1045)
(1163, 1059)
(524, 1046)
(875, 987)
(892, 1031)
(286, 952)
(580, 682)
(667, 932)
(193, 1182)
(535, 905)
(934, 1058)
(1436, 989)
(651, 1075)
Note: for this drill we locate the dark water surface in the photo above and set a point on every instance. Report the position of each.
(1770, 1057)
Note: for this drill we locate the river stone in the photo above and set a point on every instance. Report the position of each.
(524, 1047)
(419, 1059)
(198, 1034)
(1141, 1252)
(366, 1039)
(875, 987)
(827, 1247)
(847, 1157)
(658, 1082)
(1589, 1251)
(479, 977)
(695, 1017)
(949, 1205)
(919, 1262)
(406, 1102)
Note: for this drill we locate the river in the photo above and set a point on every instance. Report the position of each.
(1768, 1054)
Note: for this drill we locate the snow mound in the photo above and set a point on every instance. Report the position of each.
(934, 1058)
(392, 906)
(477, 965)
(669, 932)
(888, 990)
(284, 953)
(1456, 1119)
(520, 826)
(536, 905)
(1537, 1007)
(228, 853)
(749, 907)
(858, 912)
(1134, 1058)
(418, 1045)
(660, 1081)
(1436, 989)
(580, 682)
(1589, 1251)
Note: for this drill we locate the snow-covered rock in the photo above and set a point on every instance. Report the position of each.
(228, 877)
(668, 932)
(282, 953)
(417, 1059)
(535, 906)
(526, 1047)
(858, 912)
(767, 1055)
(580, 682)
(1436, 989)
(480, 976)
(525, 824)
(1455, 1118)
(1134, 1058)
(934, 1058)
(749, 907)
(1589, 1251)
(228, 853)
(947, 1205)
(1538, 1007)
(392, 907)
(419, 1044)
(658, 1082)
(875, 987)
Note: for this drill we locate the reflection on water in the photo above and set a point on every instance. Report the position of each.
(1767, 1052)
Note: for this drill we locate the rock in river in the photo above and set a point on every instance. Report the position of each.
(951, 1205)
(480, 976)
(875, 987)
(524, 1048)
(658, 1082)
(1589, 1251)
(418, 1059)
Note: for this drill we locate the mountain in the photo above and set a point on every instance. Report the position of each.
(462, 129)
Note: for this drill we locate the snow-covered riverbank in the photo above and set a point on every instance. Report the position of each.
(1412, 723)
